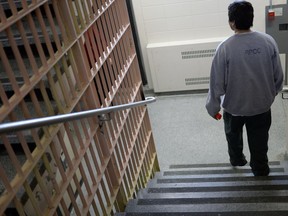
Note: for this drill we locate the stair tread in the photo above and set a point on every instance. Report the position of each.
(217, 171)
(28, 33)
(9, 168)
(238, 213)
(214, 176)
(31, 107)
(222, 207)
(154, 184)
(145, 194)
(217, 188)
(213, 200)
(185, 166)
(214, 190)
(5, 4)
(221, 178)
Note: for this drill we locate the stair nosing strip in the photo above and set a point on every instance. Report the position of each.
(213, 200)
(218, 171)
(218, 188)
(220, 179)
(185, 166)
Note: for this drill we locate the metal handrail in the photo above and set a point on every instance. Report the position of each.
(43, 121)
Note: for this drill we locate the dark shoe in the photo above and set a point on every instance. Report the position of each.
(242, 162)
(261, 172)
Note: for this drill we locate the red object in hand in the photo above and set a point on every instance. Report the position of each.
(218, 116)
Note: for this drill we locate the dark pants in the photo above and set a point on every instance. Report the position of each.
(257, 128)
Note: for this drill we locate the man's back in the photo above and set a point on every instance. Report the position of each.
(250, 67)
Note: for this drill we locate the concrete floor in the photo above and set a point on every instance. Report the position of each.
(185, 134)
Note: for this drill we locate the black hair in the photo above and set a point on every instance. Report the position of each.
(242, 13)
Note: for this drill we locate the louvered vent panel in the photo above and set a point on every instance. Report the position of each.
(182, 65)
(197, 81)
(198, 54)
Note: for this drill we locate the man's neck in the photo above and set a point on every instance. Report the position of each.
(238, 31)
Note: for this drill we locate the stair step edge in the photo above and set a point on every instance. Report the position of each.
(236, 171)
(227, 175)
(206, 208)
(221, 194)
(154, 184)
(211, 165)
(238, 213)
(217, 189)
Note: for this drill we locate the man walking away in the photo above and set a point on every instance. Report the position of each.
(246, 75)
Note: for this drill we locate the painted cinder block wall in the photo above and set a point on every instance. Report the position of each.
(161, 21)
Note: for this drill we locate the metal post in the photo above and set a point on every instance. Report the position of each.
(286, 69)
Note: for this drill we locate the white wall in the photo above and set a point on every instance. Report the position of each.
(179, 20)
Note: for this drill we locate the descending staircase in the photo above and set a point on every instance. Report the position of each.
(13, 139)
(213, 190)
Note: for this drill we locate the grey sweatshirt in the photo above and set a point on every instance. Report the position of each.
(246, 70)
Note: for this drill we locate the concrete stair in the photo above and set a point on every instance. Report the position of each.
(213, 190)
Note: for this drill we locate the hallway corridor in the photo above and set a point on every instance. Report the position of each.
(185, 134)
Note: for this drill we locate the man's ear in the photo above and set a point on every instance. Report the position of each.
(232, 25)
